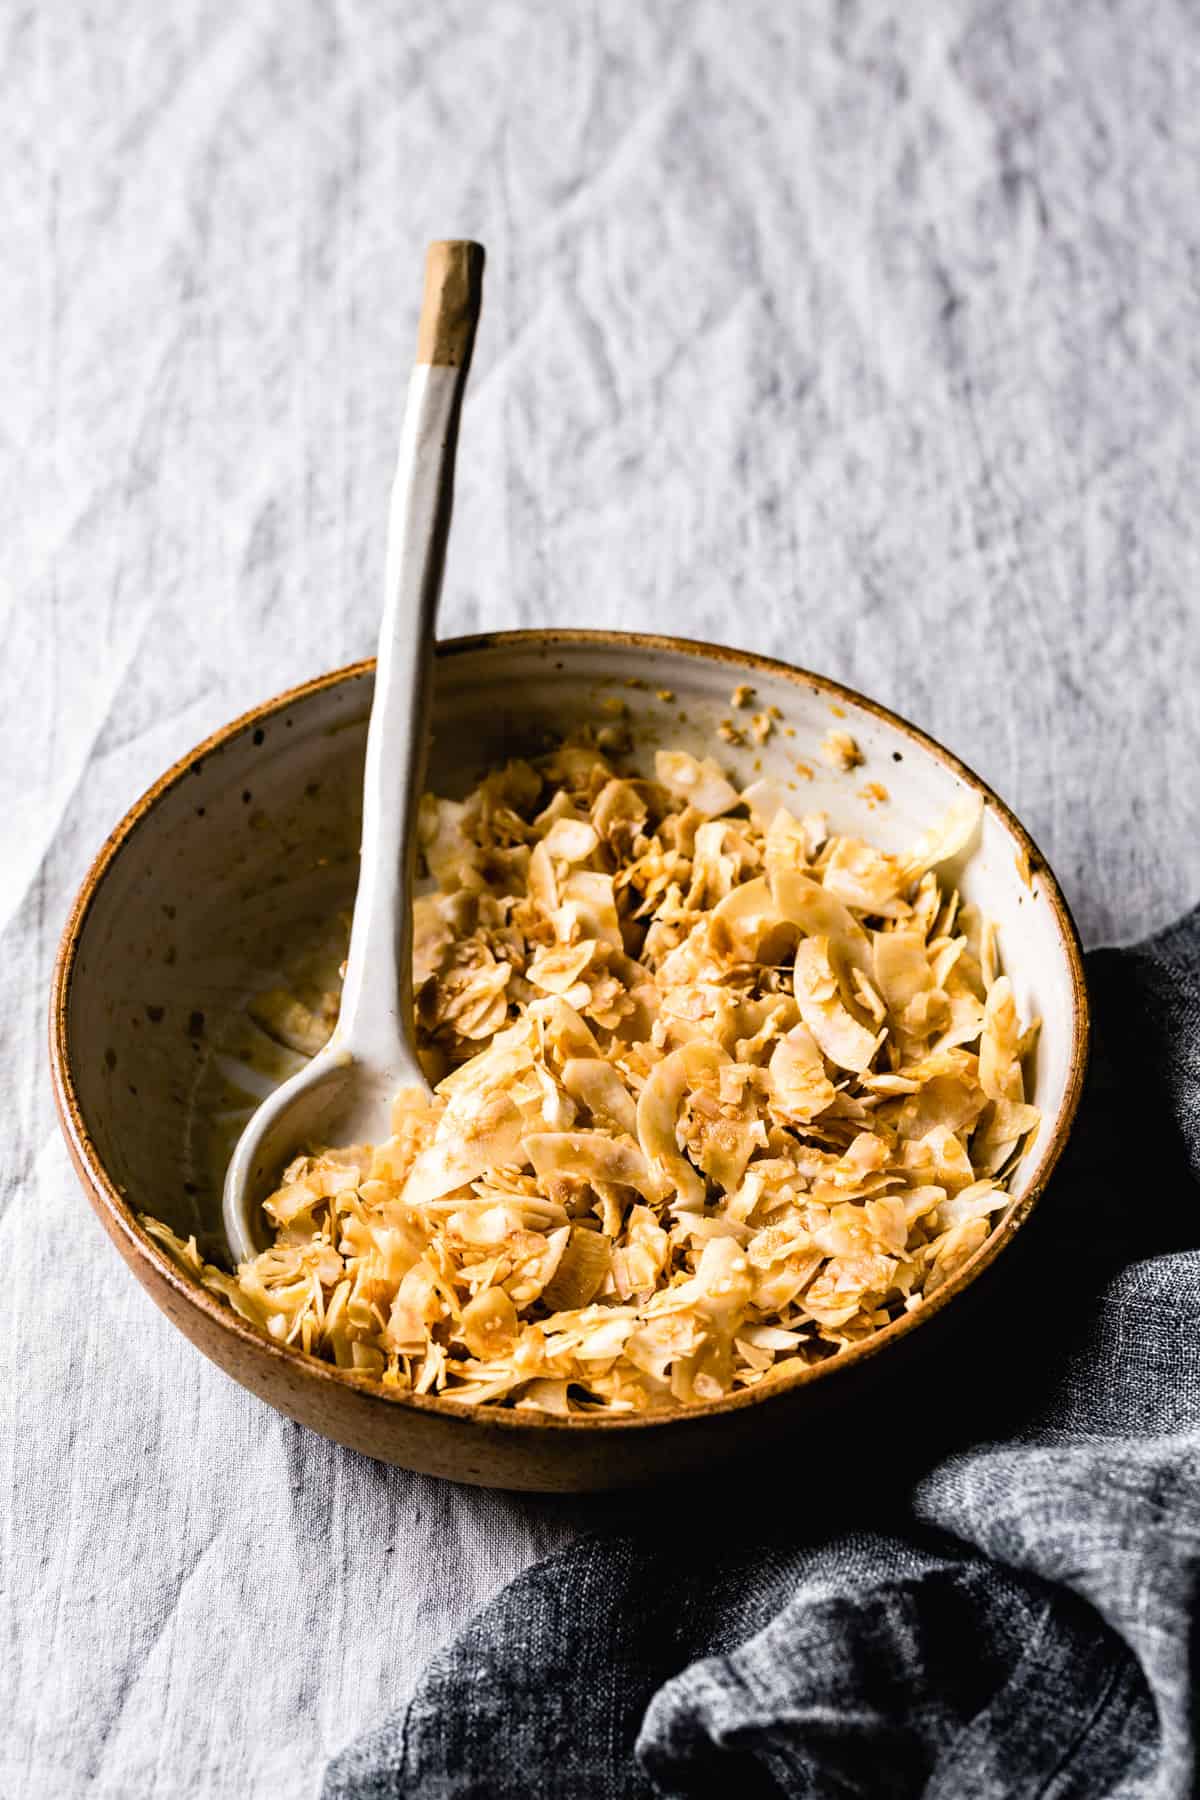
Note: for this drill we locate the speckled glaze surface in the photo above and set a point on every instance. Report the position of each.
(234, 870)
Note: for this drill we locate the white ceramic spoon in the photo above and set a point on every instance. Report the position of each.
(345, 1093)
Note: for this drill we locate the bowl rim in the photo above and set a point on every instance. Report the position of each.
(134, 1241)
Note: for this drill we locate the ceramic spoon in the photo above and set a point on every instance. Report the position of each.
(345, 1093)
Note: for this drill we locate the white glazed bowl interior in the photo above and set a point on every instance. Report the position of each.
(242, 864)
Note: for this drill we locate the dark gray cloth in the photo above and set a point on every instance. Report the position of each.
(988, 1588)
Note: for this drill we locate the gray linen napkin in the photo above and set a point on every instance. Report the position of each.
(985, 1588)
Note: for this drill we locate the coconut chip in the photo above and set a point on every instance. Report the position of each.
(841, 751)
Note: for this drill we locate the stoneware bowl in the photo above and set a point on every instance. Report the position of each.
(234, 874)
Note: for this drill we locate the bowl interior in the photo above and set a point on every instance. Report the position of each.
(238, 875)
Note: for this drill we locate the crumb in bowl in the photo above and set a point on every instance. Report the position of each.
(716, 1094)
(841, 751)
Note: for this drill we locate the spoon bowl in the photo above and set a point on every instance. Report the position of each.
(336, 1098)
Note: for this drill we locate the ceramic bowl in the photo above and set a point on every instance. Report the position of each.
(233, 873)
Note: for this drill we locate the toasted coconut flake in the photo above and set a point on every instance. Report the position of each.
(700, 785)
(841, 751)
(800, 1088)
(939, 1157)
(764, 798)
(865, 878)
(901, 967)
(449, 852)
(974, 1202)
(588, 910)
(839, 1034)
(818, 913)
(1003, 1127)
(597, 1086)
(658, 1116)
(547, 1396)
(489, 1139)
(581, 1270)
(948, 837)
(591, 1156)
(489, 1324)
(999, 1061)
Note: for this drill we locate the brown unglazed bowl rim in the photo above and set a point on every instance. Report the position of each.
(136, 1244)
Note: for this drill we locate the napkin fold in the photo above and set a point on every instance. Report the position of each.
(986, 1588)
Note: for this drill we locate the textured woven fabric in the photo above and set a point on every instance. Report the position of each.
(996, 1598)
(866, 335)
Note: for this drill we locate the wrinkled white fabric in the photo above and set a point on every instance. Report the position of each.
(865, 336)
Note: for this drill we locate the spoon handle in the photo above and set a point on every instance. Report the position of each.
(376, 1021)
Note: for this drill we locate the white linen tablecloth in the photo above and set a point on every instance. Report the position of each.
(865, 335)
